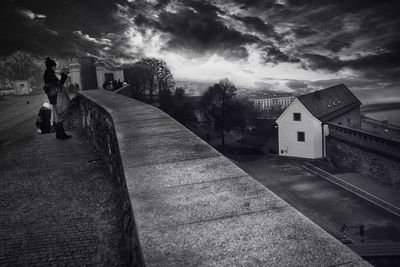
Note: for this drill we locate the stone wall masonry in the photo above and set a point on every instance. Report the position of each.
(365, 140)
(95, 123)
(367, 162)
(365, 153)
(188, 205)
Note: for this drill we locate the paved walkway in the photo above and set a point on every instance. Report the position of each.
(366, 187)
(371, 186)
(57, 205)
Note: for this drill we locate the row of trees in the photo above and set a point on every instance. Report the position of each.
(149, 76)
(21, 66)
(224, 111)
(219, 105)
(152, 81)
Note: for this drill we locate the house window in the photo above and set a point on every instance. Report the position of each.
(297, 116)
(348, 121)
(300, 136)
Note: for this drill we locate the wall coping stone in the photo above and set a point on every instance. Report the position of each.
(363, 132)
(192, 206)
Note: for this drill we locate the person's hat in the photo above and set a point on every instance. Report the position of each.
(46, 105)
(50, 63)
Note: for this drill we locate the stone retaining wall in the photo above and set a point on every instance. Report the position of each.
(366, 140)
(187, 204)
(365, 153)
(367, 162)
(95, 123)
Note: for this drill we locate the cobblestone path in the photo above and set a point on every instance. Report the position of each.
(58, 206)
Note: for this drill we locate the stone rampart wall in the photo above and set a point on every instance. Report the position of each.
(95, 123)
(366, 140)
(381, 168)
(365, 153)
(188, 205)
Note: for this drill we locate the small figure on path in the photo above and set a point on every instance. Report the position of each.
(344, 229)
(362, 228)
(43, 121)
(58, 97)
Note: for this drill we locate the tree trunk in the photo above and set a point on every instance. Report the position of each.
(222, 134)
(151, 93)
(222, 126)
(222, 138)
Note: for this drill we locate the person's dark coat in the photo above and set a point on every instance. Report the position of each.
(51, 80)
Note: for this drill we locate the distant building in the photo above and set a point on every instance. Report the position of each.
(301, 130)
(19, 87)
(106, 72)
(266, 103)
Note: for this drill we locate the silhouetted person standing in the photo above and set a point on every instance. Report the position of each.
(58, 97)
(344, 230)
(362, 229)
(119, 83)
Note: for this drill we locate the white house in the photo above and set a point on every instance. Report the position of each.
(301, 127)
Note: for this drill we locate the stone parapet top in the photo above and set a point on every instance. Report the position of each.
(192, 206)
(336, 126)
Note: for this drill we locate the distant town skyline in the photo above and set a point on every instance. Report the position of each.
(287, 45)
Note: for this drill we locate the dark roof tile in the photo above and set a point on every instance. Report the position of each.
(330, 103)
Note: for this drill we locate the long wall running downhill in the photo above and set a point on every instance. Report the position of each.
(366, 153)
(188, 205)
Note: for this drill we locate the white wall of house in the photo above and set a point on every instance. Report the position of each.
(288, 128)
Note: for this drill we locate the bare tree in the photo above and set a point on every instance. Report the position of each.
(4, 71)
(22, 66)
(219, 105)
(158, 76)
(164, 77)
(137, 75)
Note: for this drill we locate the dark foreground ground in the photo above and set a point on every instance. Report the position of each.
(58, 206)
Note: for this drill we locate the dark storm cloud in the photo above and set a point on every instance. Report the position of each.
(261, 4)
(198, 27)
(257, 24)
(92, 16)
(303, 31)
(316, 62)
(384, 65)
(49, 27)
(274, 55)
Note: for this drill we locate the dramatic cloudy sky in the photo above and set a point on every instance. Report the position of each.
(276, 44)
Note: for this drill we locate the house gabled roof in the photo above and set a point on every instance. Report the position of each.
(330, 103)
